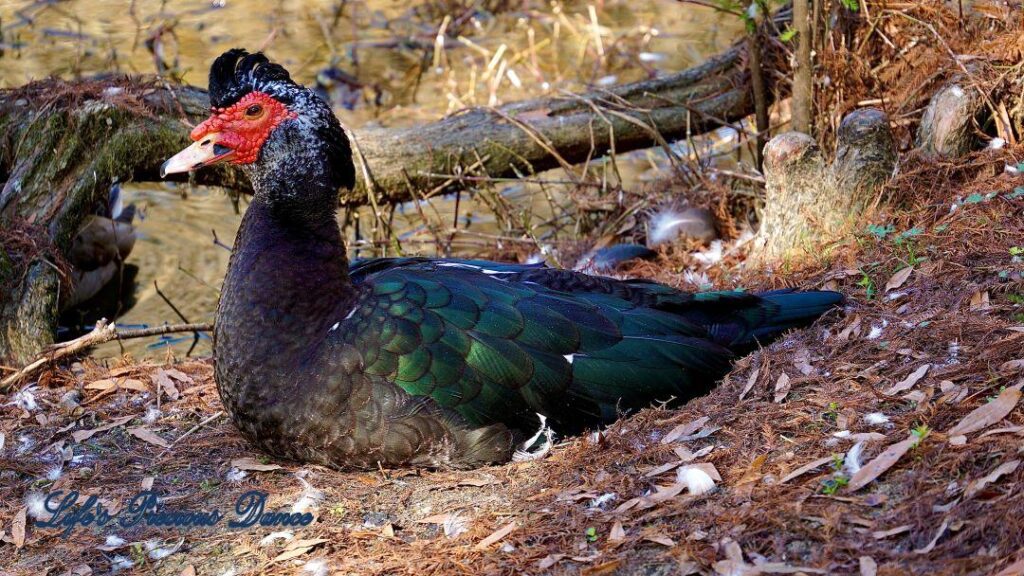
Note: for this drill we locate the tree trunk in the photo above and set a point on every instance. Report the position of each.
(948, 124)
(803, 87)
(761, 119)
(63, 144)
(810, 206)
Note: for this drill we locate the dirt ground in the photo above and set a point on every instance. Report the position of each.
(886, 439)
(933, 357)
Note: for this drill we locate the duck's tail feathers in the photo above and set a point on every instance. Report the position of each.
(782, 310)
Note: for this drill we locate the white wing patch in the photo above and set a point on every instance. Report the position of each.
(465, 266)
(569, 357)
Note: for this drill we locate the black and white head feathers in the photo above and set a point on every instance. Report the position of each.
(237, 73)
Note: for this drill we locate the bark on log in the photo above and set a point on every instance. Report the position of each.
(537, 135)
(809, 205)
(62, 145)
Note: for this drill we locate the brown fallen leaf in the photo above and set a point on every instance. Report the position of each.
(164, 384)
(496, 536)
(628, 504)
(179, 376)
(685, 455)
(82, 570)
(880, 464)
(251, 464)
(708, 468)
(987, 414)
(297, 548)
(938, 534)
(751, 380)
(684, 430)
(617, 533)
(978, 485)
(604, 568)
(18, 527)
(1012, 366)
(1007, 430)
(661, 469)
(550, 560)
(782, 568)
(852, 329)
(805, 469)
(908, 382)
(782, 388)
(980, 300)
(83, 435)
(663, 540)
(882, 534)
(112, 383)
(1015, 569)
(435, 519)
(478, 482)
(189, 570)
(899, 278)
(143, 433)
(661, 494)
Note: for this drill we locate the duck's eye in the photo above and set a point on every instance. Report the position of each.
(254, 111)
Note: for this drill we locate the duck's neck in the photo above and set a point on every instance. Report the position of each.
(287, 279)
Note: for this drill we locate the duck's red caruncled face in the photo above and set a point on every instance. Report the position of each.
(234, 134)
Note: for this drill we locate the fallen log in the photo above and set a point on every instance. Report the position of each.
(63, 144)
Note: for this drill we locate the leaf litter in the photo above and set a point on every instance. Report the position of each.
(772, 511)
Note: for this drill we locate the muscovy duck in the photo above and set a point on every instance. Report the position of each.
(417, 361)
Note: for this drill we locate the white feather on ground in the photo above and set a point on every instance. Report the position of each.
(851, 463)
(316, 567)
(876, 419)
(309, 500)
(696, 480)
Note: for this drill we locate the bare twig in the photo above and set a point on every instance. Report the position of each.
(102, 333)
(191, 431)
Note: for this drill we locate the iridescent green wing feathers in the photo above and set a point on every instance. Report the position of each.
(501, 343)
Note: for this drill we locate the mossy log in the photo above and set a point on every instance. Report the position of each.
(62, 145)
(810, 205)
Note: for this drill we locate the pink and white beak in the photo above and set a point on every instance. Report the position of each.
(204, 152)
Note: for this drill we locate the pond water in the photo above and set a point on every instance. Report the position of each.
(383, 63)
